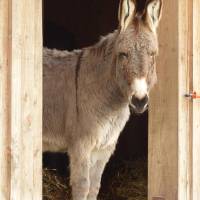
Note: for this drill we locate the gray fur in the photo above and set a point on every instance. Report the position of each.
(86, 98)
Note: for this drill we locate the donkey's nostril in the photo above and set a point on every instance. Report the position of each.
(140, 104)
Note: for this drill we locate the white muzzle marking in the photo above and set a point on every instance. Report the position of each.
(140, 88)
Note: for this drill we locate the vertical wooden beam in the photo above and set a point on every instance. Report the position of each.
(20, 99)
(169, 115)
(4, 102)
(26, 101)
(196, 103)
(163, 112)
(184, 131)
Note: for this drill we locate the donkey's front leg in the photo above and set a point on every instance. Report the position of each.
(99, 158)
(79, 173)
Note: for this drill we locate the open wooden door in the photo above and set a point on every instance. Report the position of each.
(174, 120)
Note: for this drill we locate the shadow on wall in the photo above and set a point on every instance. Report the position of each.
(75, 24)
(79, 23)
(57, 37)
(86, 20)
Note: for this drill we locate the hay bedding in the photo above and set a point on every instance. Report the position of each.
(122, 180)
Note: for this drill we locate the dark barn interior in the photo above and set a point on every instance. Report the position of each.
(74, 24)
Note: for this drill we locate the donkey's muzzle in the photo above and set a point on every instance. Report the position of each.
(139, 105)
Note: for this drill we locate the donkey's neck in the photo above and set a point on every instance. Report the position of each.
(98, 59)
(98, 68)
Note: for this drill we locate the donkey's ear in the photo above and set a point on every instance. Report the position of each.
(126, 13)
(153, 13)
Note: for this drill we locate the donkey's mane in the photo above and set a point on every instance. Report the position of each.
(101, 48)
(59, 53)
(105, 45)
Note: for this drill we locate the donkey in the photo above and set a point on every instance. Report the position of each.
(88, 92)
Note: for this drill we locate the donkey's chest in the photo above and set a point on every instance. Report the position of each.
(110, 129)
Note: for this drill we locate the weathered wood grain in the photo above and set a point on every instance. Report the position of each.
(4, 101)
(163, 111)
(20, 99)
(169, 116)
(196, 103)
(26, 101)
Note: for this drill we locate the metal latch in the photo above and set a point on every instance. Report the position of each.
(193, 95)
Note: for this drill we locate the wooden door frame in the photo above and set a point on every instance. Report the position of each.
(174, 120)
(21, 99)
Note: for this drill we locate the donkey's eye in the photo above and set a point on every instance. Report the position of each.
(123, 55)
(152, 54)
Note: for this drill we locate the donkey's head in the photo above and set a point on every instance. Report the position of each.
(135, 50)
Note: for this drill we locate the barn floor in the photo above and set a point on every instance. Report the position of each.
(122, 180)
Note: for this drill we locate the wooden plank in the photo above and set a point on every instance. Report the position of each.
(26, 101)
(196, 103)
(169, 127)
(163, 111)
(185, 105)
(4, 101)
